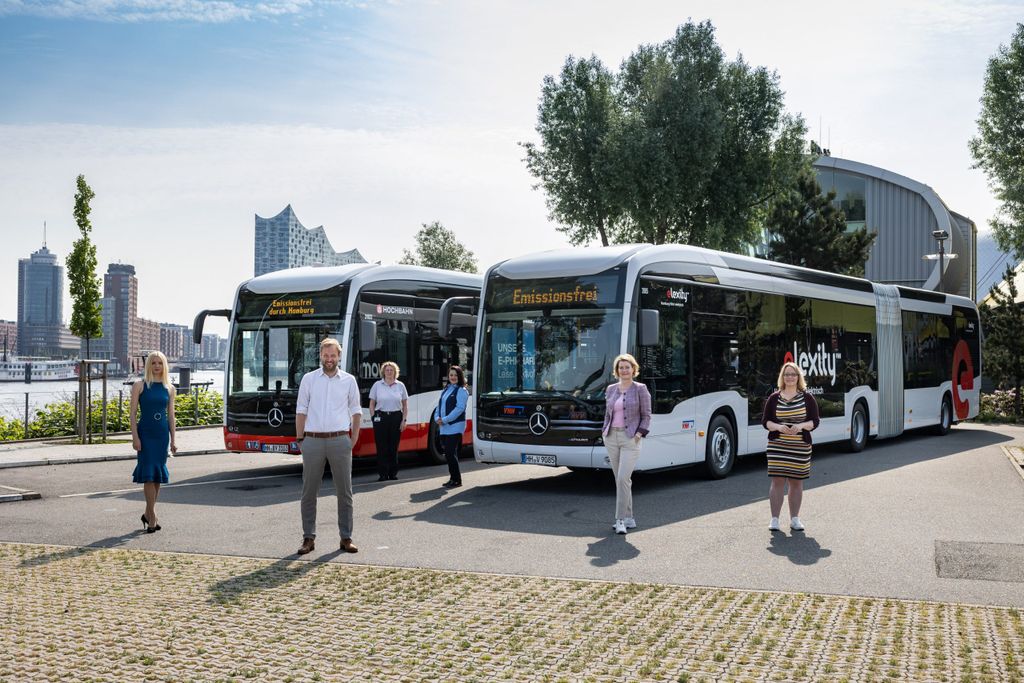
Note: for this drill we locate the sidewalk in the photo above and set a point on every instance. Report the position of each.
(190, 441)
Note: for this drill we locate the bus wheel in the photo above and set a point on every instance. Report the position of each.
(945, 417)
(858, 429)
(434, 455)
(721, 448)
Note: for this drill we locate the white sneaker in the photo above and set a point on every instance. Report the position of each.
(796, 525)
(620, 526)
(629, 522)
(774, 524)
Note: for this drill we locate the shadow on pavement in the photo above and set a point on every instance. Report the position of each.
(579, 504)
(69, 553)
(610, 551)
(284, 571)
(798, 548)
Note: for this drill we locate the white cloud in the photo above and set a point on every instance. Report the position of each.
(133, 11)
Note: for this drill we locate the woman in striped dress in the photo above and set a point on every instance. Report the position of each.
(790, 415)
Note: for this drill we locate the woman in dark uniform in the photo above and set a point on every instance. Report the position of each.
(790, 415)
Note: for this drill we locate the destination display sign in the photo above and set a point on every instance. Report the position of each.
(297, 306)
(602, 290)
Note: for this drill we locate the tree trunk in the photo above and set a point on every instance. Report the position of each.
(601, 231)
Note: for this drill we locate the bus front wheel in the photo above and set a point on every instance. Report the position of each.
(945, 417)
(434, 455)
(858, 429)
(720, 452)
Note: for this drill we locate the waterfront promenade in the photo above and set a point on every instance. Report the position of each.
(518, 576)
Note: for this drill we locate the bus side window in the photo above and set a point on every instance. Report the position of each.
(665, 367)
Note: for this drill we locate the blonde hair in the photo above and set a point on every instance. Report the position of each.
(629, 359)
(801, 384)
(331, 341)
(148, 376)
(389, 364)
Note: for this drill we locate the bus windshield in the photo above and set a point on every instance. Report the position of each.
(273, 357)
(553, 335)
(568, 352)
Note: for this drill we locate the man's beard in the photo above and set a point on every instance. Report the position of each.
(329, 365)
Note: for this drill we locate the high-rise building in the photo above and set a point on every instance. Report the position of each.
(172, 340)
(121, 285)
(40, 304)
(102, 348)
(283, 242)
(149, 337)
(8, 338)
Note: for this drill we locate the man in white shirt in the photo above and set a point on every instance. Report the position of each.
(327, 418)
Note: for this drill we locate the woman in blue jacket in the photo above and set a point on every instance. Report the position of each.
(450, 416)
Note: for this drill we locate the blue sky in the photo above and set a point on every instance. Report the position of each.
(371, 118)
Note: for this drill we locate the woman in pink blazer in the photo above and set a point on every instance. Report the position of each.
(627, 419)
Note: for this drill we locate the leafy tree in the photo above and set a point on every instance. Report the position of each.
(806, 229)
(1003, 350)
(998, 149)
(574, 120)
(437, 247)
(86, 315)
(691, 151)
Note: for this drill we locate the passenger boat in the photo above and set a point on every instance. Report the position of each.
(37, 370)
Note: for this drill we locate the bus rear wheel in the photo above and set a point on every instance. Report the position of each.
(720, 452)
(945, 417)
(858, 429)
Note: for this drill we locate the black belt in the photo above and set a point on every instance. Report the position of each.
(327, 435)
(390, 412)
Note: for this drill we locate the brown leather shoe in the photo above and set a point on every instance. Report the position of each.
(307, 546)
(346, 545)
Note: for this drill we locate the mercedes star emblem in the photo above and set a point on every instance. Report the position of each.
(275, 418)
(538, 423)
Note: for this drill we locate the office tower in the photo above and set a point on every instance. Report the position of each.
(40, 304)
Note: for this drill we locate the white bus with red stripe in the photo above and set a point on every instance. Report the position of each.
(378, 313)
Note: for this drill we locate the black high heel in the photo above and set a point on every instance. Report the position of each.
(149, 529)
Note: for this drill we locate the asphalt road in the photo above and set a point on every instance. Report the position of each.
(920, 517)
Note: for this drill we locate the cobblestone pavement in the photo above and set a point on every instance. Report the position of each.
(89, 614)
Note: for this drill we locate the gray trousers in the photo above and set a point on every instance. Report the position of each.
(315, 454)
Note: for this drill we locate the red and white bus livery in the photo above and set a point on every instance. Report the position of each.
(378, 313)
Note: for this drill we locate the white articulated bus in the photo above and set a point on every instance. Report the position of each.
(378, 313)
(710, 331)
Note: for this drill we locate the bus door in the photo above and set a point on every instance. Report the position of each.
(716, 366)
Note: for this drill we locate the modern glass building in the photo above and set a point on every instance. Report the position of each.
(40, 304)
(905, 213)
(283, 242)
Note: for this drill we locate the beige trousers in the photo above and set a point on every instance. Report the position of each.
(623, 452)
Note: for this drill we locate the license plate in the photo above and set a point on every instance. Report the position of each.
(538, 459)
(275, 448)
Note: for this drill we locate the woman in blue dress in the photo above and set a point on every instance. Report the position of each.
(152, 420)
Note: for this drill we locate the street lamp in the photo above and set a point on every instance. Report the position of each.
(940, 236)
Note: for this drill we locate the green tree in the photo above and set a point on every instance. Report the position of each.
(998, 148)
(574, 120)
(806, 228)
(691, 151)
(1002, 323)
(86, 316)
(437, 247)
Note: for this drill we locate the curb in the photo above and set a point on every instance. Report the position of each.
(94, 458)
(1015, 454)
(19, 494)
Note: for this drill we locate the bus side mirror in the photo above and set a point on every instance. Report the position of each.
(367, 335)
(200, 321)
(444, 315)
(649, 327)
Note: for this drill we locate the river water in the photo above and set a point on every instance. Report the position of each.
(12, 394)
